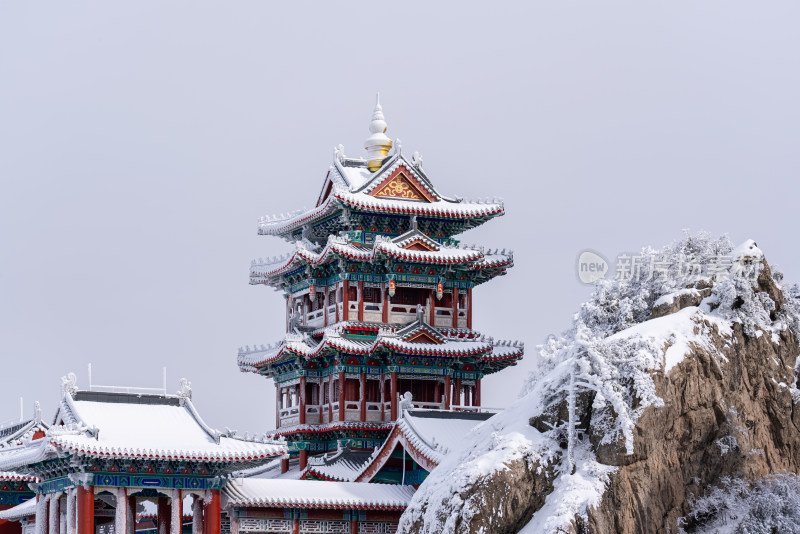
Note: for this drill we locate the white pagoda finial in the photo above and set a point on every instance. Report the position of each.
(378, 143)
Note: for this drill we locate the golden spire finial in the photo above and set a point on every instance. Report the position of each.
(378, 143)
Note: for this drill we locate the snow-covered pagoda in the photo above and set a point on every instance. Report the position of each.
(379, 299)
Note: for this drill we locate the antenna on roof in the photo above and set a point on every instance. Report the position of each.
(90, 377)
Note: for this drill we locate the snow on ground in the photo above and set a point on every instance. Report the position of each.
(669, 298)
(573, 494)
(678, 332)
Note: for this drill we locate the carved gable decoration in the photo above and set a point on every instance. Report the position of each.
(419, 244)
(402, 184)
(423, 337)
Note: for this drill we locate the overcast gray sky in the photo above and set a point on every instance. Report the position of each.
(139, 143)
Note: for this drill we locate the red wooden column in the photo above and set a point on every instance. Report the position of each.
(341, 396)
(284, 465)
(45, 513)
(393, 410)
(53, 515)
(277, 406)
(211, 516)
(335, 303)
(176, 519)
(302, 400)
(455, 307)
(296, 525)
(436, 392)
(383, 398)
(330, 397)
(131, 515)
(303, 459)
(325, 306)
(432, 311)
(457, 392)
(469, 308)
(477, 392)
(385, 300)
(85, 501)
(446, 392)
(354, 526)
(345, 300)
(164, 515)
(361, 301)
(362, 390)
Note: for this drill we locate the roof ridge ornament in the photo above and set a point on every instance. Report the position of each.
(416, 160)
(185, 389)
(378, 143)
(69, 384)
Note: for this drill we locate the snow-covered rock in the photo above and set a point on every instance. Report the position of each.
(622, 419)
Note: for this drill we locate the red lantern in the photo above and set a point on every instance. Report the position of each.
(392, 287)
(439, 290)
(312, 291)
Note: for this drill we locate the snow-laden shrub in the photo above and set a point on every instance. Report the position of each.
(616, 368)
(766, 506)
(628, 299)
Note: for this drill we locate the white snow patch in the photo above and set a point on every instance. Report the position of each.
(669, 298)
(573, 495)
(678, 332)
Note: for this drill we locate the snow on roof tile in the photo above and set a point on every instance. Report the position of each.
(456, 343)
(249, 361)
(132, 430)
(341, 197)
(317, 494)
(433, 436)
(337, 247)
(328, 427)
(344, 466)
(29, 453)
(26, 509)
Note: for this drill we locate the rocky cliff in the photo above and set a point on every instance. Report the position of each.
(663, 390)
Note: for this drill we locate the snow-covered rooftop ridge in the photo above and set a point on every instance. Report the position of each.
(351, 183)
(333, 425)
(436, 434)
(341, 198)
(451, 345)
(95, 423)
(31, 452)
(157, 429)
(18, 435)
(317, 494)
(12, 475)
(382, 247)
(26, 509)
(344, 465)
